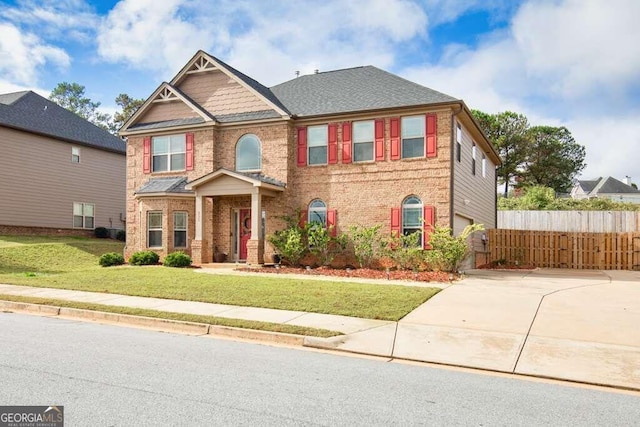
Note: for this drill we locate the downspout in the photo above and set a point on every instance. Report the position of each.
(452, 162)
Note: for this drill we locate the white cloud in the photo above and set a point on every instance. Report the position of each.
(57, 19)
(567, 63)
(580, 44)
(265, 40)
(22, 55)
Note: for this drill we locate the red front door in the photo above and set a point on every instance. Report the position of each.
(245, 231)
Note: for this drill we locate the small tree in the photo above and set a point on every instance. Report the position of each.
(366, 243)
(291, 242)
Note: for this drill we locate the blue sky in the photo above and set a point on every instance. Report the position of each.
(574, 63)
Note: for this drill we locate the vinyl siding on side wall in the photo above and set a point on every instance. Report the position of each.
(39, 183)
(474, 195)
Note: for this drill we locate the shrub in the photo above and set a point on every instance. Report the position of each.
(291, 242)
(366, 243)
(324, 246)
(177, 259)
(405, 251)
(111, 258)
(144, 258)
(101, 232)
(121, 235)
(448, 251)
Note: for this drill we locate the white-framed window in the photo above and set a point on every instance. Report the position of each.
(474, 150)
(458, 142)
(412, 212)
(317, 137)
(248, 153)
(363, 136)
(413, 128)
(484, 166)
(168, 153)
(83, 215)
(179, 229)
(317, 212)
(75, 154)
(154, 229)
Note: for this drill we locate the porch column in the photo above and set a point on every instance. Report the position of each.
(197, 254)
(255, 245)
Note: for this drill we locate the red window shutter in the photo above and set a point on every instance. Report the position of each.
(395, 138)
(189, 154)
(303, 218)
(431, 133)
(302, 147)
(332, 223)
(146, 153)
(429, 222)
(396, 221)
(346, 142)
(333, 143)
(379, 130)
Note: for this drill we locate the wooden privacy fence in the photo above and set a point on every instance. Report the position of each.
(583, 221)
(553, 249)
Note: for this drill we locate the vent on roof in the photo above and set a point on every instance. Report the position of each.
(315, 71)
(297, 73)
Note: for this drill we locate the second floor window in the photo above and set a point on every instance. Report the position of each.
(169, 153)
(248, 153)
(363, 141)
(75, 155)
(317, 137)
(413, 128)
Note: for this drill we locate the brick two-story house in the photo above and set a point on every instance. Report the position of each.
(214, 159)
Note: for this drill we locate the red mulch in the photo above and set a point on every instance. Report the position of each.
(365, 273)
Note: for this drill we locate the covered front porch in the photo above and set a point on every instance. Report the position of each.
(242, 222)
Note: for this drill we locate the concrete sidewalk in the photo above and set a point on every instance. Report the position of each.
(565, 324)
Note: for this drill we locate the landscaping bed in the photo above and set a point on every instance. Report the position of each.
(362, 273)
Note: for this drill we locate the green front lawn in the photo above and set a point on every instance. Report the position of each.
(72, 263)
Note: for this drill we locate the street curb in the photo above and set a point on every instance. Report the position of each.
(165, 325)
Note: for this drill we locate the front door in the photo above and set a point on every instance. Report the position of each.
(245, 231)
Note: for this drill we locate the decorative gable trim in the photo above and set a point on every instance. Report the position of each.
(167, 93)
(203, 62)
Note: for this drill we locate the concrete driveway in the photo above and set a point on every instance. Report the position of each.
(567, 324)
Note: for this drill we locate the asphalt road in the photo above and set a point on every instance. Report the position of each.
(116, 376)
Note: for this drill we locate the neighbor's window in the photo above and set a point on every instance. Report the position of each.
(363, 141)
(484, 166)
(318, 212)
(75, 154)
(83, 215)
(154, 229)
(248, 153)
(179, 230)
(317, 137)
(169, 153)
(473, 159)
(458, 142)
(412, 213)
(412, 136)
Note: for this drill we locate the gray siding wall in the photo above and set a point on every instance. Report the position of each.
(39, 183)
(473, 195)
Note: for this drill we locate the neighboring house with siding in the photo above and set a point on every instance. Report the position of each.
(606, 188)
(58, 172)
(216, 158)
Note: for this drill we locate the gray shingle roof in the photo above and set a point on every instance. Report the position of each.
(173, 184)
(610, 185)
(252, 115)
(167, 123)
(30, 112)
(588, 185)
(351, 90)
(264, 178)
(257, 86)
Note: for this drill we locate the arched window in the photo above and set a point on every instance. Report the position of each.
(412, 212)
(248, 153)
(318, 212)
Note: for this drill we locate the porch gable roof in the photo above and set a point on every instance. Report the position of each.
(255, 179)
